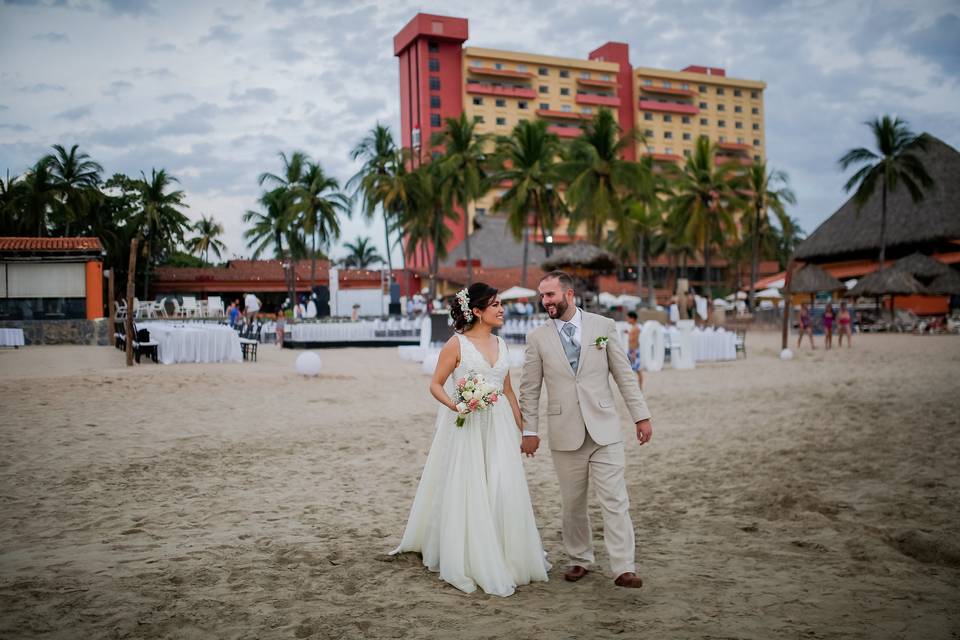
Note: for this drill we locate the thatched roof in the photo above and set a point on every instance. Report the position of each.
(887, 282)
(494, 244)
(812, 279)
(934, 219)
(580, 254)
(945, 284)
(921, 266)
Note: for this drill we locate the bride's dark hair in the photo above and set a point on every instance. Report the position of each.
(479, 296)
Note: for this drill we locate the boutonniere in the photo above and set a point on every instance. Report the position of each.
(601, 342)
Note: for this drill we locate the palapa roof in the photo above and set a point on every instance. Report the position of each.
(921, 266)
(945, 284)
(887, 282)
(580, 254)
(933, 220)
(494, 244)
(812, 279)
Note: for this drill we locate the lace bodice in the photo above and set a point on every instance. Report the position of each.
(472, 360)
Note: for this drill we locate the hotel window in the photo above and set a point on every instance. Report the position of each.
(737, 93)
(704, 105)
(650, 149)
(685, 86)
(685, 119)
(720, 91)
(702, 88)
(722, 139)
(544, 89)
(740, 140)
(605, 77)
(435, 120)
(648, 133)
(478, 118)
(521, 67)
(669, 150)
(721, 123)
(543, 71)
(433, 47)
(498, 65)
(501, 121)
(668, 118)
(737, 108)
(721, 107)
(500, 102)
(522, 104)
(756, 126)
(433, 64)
(564, 91)
(755, 111)
(545, 106)
(756, 142)
(668, 135)
(477, 101)
(738, 125)
(434, 83)
(585, 75)
(686, 153)
(648, 83)
(647, 116)
(566, 108)
(434, 102)
(586, 110)
(686, 135)
(704, 122)
(754, 94)
(564, 73)
(666, 84)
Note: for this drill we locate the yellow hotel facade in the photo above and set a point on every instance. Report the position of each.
(440, 78)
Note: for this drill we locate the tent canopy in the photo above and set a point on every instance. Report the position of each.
(515, 293)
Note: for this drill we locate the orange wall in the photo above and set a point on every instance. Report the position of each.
(94, 289)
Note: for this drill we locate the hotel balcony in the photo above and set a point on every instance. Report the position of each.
(742, 160)
(668, 107)
(592, 82)
(507, 92)
(669, 91)
(563, 115)
(664, 157)
(499, 73)
(590, 98)
(565, 132)
(734, 146)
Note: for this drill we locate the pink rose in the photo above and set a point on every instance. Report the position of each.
(461, 382)
(473, 404)
(493, 398)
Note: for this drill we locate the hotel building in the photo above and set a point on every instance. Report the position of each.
(440, 78)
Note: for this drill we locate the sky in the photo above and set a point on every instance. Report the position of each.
(214, 91)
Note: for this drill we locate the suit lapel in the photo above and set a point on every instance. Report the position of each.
(587, 336)
(554, 338)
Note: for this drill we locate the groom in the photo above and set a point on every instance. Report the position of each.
(570, 353)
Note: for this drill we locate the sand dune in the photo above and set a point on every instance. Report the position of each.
(816, 498)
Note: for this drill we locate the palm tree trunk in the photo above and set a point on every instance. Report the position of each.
(754, 258)
(313, 261)
(640, 266)
(466, 239)
(706, 270)
(146, 269)
(526, 255)
(883, 225)
(386, 235)
(651, 292)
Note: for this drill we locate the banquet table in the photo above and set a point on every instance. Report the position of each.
(194, 342)
(11, 337)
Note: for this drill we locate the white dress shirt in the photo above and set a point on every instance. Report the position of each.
(577, 322)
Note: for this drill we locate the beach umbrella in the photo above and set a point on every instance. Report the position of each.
(769, 294)
(627, 300)
(921, 266)
(580, 255)
(515, 293)
(889, 282)
(812, 279)
(946, 284)
(608, 299)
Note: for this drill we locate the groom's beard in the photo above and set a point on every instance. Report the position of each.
(558, 309)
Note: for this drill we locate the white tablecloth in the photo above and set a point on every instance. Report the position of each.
(194, 342)
(11, 337)
(362, 330)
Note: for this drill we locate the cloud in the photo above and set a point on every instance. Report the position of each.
(74, 114)
(195, 121)
(940, 43)
(3, 107)
(117, 87)
(256, 94)
(220, 33)
(167, 98)
(19, 128)
(131, 7)
(51, 37)
(42, 87)
(161, 47)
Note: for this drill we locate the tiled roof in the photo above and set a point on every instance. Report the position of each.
(268, 270)
(50, 244)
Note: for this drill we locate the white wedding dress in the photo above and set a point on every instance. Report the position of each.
(471, 518)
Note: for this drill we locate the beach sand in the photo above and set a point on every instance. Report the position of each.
(816, 498)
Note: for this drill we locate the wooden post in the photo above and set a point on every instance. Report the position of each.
(111, 299)
(128, 323)
(786, 305)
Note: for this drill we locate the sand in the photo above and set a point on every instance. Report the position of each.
(817, 498)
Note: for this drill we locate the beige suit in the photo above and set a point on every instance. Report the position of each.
(584, 431)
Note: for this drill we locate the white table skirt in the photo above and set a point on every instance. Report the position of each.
(194, 342)
(11, 337)
(366, 330)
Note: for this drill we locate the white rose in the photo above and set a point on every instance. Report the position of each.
(481, 405)
(467, 395)
(462, 407)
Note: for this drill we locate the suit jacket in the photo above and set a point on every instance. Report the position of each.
(581, 402)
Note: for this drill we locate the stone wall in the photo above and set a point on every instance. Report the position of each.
(92, 332)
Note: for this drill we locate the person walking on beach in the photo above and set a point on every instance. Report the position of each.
(251, 306)
(828, 317)
(574, 354)
(633, 346)
(806, 325)
(280, 323)
(844, 320)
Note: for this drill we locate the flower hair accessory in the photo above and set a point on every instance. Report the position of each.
(464, 301)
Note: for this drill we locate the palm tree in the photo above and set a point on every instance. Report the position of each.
(77, 178)
(362, 254)
(425, 221)
(464, 161)
(764, 197)
(11, 222)
(895, 162)
(376, 178)
(527, 160)
(293, 169)
(160, 222)
(208, 235)
(38, 197)
(703, 201)
(597, 175)
(270, 226)
(318, 203)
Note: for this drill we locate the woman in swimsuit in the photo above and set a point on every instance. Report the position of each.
(806, 325)
(828, 317)
(844, 320)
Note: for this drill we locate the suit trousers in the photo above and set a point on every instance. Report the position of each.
(604, 465)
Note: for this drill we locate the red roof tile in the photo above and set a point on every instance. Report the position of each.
(50, 244)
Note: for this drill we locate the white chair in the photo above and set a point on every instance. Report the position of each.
(215, 306)
(159, 308)
(120, 309)
(190, 307)
(177, 311)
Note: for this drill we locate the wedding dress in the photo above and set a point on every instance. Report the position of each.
(471, 518)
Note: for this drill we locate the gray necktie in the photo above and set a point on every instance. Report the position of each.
(571, 347)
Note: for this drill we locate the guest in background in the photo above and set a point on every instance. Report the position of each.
(828, 317)
(251, 306)
(281, 325)
(844, 320)
(233, 313)
(806, 325)
(355, 313)
(633, 346)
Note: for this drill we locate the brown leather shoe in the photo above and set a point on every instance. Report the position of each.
(575, 573)
(629, 580)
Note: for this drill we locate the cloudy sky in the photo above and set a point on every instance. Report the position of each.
(213, 91)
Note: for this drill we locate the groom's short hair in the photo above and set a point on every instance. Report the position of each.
(566, 281)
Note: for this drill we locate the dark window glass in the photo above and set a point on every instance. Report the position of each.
(720, 91)
(668, 135)
(434, 102)
(434, 83)
(703, 122)
(434, 119)
(544, 88)
(433, 47)
(501, 121)
(522, 104)
(564, 73)
(754, 94)
(648, 116)
(685, 119)
(703, 105)
(668, 118)
(477, 101)
(738, 125)
(756, 127)
(434, 64)
(545, 106)
(501, 102)
(737, 93)
(564, 91)
(543, 71)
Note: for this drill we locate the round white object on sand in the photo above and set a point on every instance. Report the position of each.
(786, 354)
(308, 364)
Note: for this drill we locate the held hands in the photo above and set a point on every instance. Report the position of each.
(529, 445)
(644, 431)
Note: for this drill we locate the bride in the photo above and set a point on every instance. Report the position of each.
(471, 519)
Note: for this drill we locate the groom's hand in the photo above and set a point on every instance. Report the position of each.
(644, 431)
(529, 445)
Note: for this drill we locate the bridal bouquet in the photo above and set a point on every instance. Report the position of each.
(474, 393)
